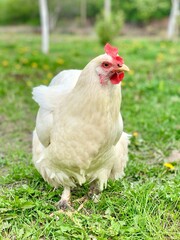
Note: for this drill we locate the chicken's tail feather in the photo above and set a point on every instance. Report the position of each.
(44, 97)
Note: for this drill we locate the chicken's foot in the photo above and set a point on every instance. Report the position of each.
(64, 202)
(94, 192)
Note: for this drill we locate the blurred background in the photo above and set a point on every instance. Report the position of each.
(90, 17)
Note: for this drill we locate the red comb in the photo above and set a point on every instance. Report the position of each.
(110, 50)
(113, 52)
(120, 60)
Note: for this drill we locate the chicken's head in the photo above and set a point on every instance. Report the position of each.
(110, 66)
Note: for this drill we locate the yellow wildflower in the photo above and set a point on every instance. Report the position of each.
(135, 134)
(24, 60)
(160, 57)
(60, 61)
(49, 75)
(24, 50)
(34, 65)
(5, 63)
(169, 165)
(45, 67)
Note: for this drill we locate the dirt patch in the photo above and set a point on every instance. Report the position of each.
(156, 28)
(174, 156)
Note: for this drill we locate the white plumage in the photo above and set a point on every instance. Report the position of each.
(79, 131)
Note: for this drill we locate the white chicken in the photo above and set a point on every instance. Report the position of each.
(79, 130)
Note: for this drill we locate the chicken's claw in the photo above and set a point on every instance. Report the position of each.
(94, 192)
(64, 205)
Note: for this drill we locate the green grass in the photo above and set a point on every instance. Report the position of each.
(145, 203)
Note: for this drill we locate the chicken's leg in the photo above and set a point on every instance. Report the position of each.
(64, 202)
(94, 192)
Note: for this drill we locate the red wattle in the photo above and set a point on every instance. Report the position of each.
(117, 77)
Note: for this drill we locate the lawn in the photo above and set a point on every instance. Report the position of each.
(145, 203)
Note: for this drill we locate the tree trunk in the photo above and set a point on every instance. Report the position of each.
(44, 25)
(83, 12)
(107, 9)
(172, 26)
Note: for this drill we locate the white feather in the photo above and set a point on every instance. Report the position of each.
(47, 98)
(62, 83)
(67, 79)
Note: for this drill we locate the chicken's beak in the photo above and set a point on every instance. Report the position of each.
(123, 68)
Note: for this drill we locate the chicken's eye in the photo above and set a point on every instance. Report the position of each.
(106, 65)
(119, 65)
